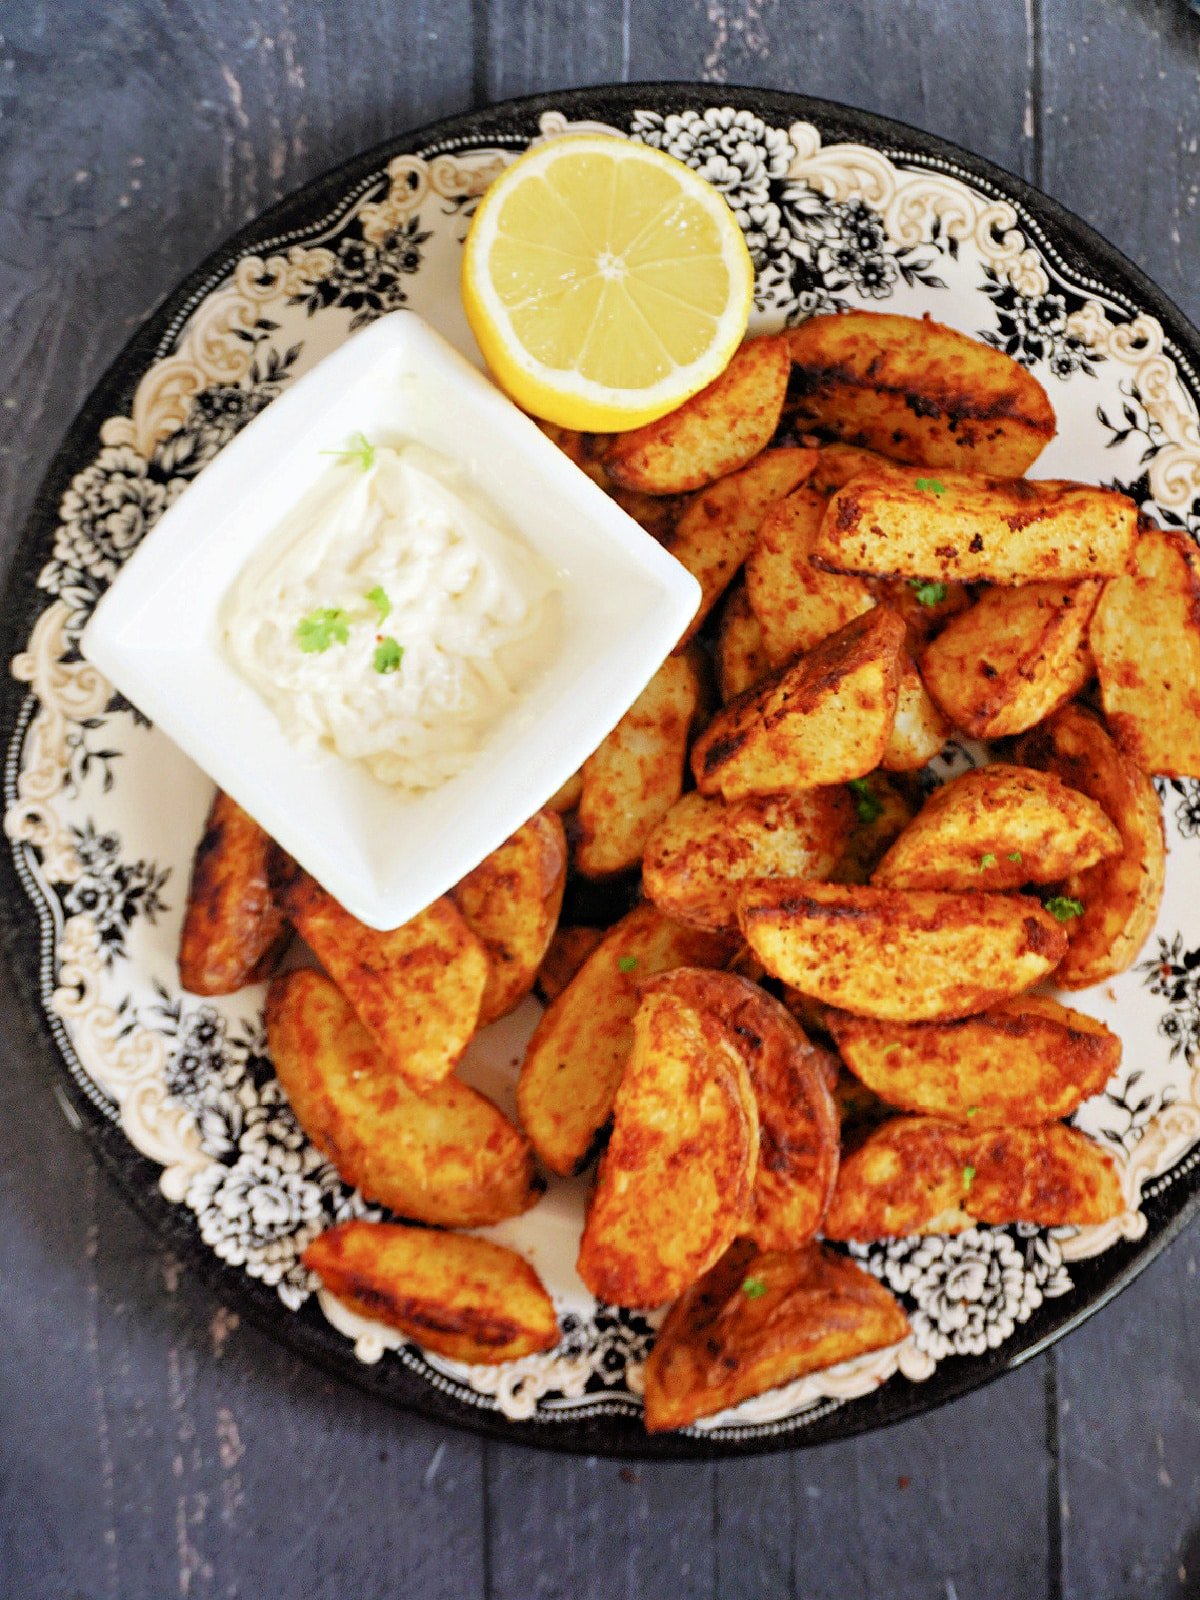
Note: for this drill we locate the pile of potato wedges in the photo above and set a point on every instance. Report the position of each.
(794, 988)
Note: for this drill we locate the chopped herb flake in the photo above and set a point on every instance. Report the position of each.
(972, 1111)
(1063, 907)
(1015, 856)
(928, 594)
(626, 963)
(986, 861)
(378, 598)
(968, 1177)
(931, 486)
(388, 655)
(320, 628)
(359, 449)
(890, 1050)
(867, 803)
(754, 1288)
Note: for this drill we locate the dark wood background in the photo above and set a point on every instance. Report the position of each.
(149, 1445)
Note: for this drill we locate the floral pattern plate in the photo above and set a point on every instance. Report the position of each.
(102, 813)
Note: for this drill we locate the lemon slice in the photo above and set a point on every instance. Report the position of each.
(605, 282)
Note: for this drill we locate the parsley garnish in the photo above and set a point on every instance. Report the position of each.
(931, 486)
(1016, 856)
(378, 598)
(867, 803)
(1063, 907)
(626, 963)
(890, 1050)
(754, 1288)
(968, 1177)
(320, 628)
(972, 1111)
(359, 449)
(986, 861)
(388, 655)
(928, 594)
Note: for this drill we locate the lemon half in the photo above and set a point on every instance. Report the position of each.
(605, 282)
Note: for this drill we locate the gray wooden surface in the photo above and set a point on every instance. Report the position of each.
(149, 1445)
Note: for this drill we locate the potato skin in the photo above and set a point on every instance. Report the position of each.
(511, 903)
(1024, 1062)
(417, 988)
(459, 1296)
(636, 775)
(741, 656)
(968, 832)
(675, 1182)
(925, 1175)
(797, 604)
(975, 529)
(1013, 658)
(712, 434)
(1121, 894)
(1145, 637)
(703, 849)
(824, 720)
(918, 391)
(232, 929)
(902, 956)
(810, 1309)
(578, 1051)
(446, 1155)
(565, 954)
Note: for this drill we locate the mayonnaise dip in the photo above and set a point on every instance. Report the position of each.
(393, 617)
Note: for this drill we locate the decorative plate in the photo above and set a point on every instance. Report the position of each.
(102, 813)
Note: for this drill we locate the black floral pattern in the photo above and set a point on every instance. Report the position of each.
(112, 892)
(616, 1343)
(1187, 810)
(1034, 328)
(369, 279)
(1174, 975)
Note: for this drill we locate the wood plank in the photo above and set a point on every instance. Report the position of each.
(524, 47)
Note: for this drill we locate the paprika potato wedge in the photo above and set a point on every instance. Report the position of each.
(565, 954)
(797, 604)
(459, 1296)
(446, 1155)
(741, 658)
(919, 730)
(232, 929)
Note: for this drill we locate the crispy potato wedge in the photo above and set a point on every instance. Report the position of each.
(716, 530)
(919, 392)
(926, 1175)
(1014, 657)
(824, 720)
(1121, 894)
(567, 798)
(656, 513)
(838, 463)
(712, 434)
(417, 988)
(925, 608)
(578, 1051)
(703, 849)
(741, 658)
(882, 811)
(1024, 1062)
(919, 729)
(675, 1182)
(797, 1119)
(462, 1297)
(511, 903)
(974, 529)
(1145, 637)
(446, 1155)
(759, 1319)
(636, 775)
(798, 605)
(565, 954)
(999, 827)
(586, 450)
(233, 931)
(905, 956)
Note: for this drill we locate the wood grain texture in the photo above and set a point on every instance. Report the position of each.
(149, 1445)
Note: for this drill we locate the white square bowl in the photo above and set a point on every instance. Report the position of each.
(385, 853)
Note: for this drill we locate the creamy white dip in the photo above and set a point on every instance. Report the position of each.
(393, 617)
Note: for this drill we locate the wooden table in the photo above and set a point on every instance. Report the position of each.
(149, 1445)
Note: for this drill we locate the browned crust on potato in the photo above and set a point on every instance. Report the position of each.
(741, 657)
(233, 932)
(462, 1297)
(566, 953)
(796, 603)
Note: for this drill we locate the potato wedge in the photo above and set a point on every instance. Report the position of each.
(926, 1175)
(925, 608)
(578, 1051)
(585, 450)
(1014, 657)
(716, 530)
(797, 1119)
(462, 1297)
(1145, 637)
(999, 827)
(636, 775)
(919, 392)
(712, 434)
(824, 720)
(1121, 894)
(1024, 1062)
(565, 955)
(798, 605)
(838, 463)
(882, 810)
(741, 658)
(417, 988)
(446, 1155)
(975, 529)
(675, 1182)
(760, 1319)
(567, 798)
(919, 729)
(905, 956)
(232, 929)
(656, 513)
(703, 850)
(511, 903)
